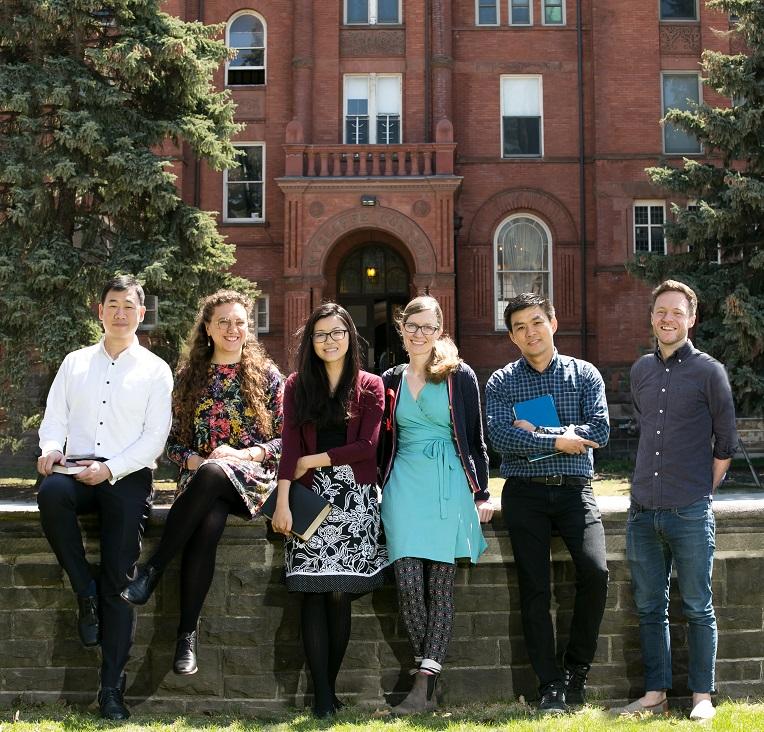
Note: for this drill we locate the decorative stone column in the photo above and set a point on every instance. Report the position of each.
(442, 62)
(302, 66)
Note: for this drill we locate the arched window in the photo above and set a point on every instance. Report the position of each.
(522, 249)
(246, 35)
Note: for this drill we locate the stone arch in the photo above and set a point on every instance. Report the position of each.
(504, 203)
(319, 246)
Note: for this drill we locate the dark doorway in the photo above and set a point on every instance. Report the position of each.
(373, 285)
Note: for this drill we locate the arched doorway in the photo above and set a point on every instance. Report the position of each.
(373, 284)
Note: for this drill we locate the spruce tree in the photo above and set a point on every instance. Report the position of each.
(727, 224)
(96, 100)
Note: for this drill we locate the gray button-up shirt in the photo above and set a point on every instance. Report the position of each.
(686, 419)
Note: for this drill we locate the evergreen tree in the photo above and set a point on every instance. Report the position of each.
(729, 216)
(96, 100)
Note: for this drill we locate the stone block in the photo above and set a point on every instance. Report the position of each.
(38, 575)
(207, 681)
(25, 654)
(248, 630)
(38, 624)
(62, 680)
(457, 685)
(741, 644)
(33, 598)
(6, 575)
(473, 652)
(373, 627)
(477, 598)
(739, 670)
(496, 624)
(744, 578)
(737, 617)
(5, 625)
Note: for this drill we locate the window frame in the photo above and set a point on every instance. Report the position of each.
(265, 299)
(649, 202)
(372, 16)
(226, 218)
(372, 106)
(497, 5)
(264, 67)
(683, 72)
(529, 24)
(521, 156)
(499, 324)
(563, 21)
(151, 318)
(678, 20)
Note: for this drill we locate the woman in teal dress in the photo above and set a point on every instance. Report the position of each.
(435, 478)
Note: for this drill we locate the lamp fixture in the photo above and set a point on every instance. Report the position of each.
(367, 200)
(371, 273)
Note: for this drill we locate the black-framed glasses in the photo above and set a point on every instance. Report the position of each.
(427, 330)
(338, 334)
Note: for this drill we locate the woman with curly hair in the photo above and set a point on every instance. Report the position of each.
(226, 440)
(435, 486)
(332, 413)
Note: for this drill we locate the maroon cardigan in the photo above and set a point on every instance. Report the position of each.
(360, 448)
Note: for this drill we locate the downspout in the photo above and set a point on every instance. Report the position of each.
(581, 174)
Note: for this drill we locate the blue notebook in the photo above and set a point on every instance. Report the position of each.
(540, 412)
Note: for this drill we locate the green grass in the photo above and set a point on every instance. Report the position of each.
(733, 716)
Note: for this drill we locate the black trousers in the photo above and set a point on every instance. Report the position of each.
(530, 512)
(122, 509)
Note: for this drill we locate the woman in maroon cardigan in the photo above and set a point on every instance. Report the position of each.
(332, 416)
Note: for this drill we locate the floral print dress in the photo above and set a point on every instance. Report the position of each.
(222, 418)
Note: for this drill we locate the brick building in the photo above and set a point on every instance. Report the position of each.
(468, 148)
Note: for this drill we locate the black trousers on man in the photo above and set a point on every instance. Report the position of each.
(122, 509)
(531, 511)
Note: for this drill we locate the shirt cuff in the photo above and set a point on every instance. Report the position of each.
(117, 468)
(51, 446)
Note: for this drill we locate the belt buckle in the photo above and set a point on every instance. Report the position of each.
(555, 479)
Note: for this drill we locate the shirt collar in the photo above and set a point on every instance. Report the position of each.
(551, 367)
(682, 352)
(131, 349)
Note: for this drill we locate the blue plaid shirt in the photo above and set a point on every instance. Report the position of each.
(579, 395)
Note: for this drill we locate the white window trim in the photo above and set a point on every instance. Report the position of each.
(532, 156)
(497, 3)
(680, 72)
(679, 20)
(499, 323)
(372, 5)
(647, 202)
(564, 15)
(520, 25)
(266, 300)
(372, 87)
(151, 318)
(228, 220)
(265, 49)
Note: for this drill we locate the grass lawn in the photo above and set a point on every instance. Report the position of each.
(737, 716)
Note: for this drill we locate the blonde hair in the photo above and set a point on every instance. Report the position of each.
(444, 359)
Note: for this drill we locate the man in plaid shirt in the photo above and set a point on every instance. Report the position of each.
(551, 493)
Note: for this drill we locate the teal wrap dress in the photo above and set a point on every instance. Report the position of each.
(428, 509)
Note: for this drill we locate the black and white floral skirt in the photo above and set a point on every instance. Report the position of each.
(347, 553)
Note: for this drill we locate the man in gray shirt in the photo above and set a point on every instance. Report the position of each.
(683, 401)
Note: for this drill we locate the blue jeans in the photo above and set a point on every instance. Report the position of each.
(656, 539)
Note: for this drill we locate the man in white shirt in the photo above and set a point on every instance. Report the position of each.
(110, 400)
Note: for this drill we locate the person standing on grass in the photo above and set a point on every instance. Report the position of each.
(551, 493)
(111, 401)
(683, 403)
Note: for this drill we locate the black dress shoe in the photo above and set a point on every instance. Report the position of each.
(87, 620)
(111, 703)
(575, 683)
(553, 699)
(185, 654)
(139, 590)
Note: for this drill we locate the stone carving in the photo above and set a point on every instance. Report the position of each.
(364, 42)
(316, 209)
(680, 40)
(421, 208)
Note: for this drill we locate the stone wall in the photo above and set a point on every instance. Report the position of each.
(251, 658)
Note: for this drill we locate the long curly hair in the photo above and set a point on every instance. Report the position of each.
(444, 359)
(192, 373)
(313, 402)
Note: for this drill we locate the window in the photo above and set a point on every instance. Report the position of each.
(521, 102)
(554, 12)
(371, 12)
(263, 314)
(520, 12)
(243, 185)
(151, 318)
(246, 35)
(372, 109)
(486, 12)
(649, 217)
(680, 91)
(678, 10)
(522, 249)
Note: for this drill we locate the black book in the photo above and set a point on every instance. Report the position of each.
(307, 507)
(71, 467)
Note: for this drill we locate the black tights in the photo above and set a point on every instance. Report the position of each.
(195, 524)
(325, 636)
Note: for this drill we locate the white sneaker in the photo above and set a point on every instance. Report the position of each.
(703, 711)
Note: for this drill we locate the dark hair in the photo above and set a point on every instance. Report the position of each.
(192, 374)
(313, 400)
(676, 286)
(120, 283)
(527, 300)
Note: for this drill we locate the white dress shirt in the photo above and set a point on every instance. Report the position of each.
(116, 408)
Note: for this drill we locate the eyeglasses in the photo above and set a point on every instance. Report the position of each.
(427, 330)
(338, 334)
(226, 323)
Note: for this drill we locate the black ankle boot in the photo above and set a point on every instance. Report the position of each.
(139, 590)
(185, 654)
(111, 702)
(88, 625)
